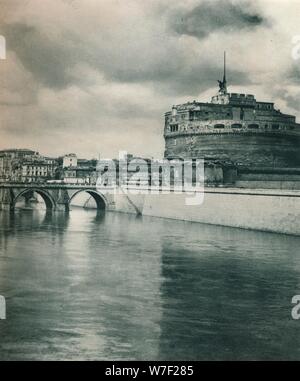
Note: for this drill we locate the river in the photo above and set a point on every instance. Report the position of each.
(94, 286)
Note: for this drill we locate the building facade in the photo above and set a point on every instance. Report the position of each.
(70, 160)
(78, 171)
(80, 175)
(24, 165)
(10, 161)
(39, 170)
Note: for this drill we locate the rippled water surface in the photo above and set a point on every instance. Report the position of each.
(88, 286)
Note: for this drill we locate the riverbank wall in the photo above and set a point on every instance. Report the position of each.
(272, 210)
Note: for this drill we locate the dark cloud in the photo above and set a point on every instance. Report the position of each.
(292, 101)
(293, 74)
(48, 60)
(292, 78)
(51, 57)
(203, 77)
(51, 62)
(96, 73)
(120, 55)
(211, 16)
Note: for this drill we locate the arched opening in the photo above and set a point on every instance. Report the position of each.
(88, 199)
(236, 125)
(29, 193)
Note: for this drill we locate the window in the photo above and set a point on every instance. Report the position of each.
(275, 126)
(174, 128)
(219, 126)
(236, 125)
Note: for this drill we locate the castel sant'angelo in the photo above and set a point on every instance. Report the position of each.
(233, 127)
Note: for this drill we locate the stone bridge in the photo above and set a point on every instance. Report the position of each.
(56, 196)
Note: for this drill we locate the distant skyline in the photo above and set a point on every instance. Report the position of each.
(96, 76)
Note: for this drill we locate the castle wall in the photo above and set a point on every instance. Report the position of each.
(233, 127)
(255, 150)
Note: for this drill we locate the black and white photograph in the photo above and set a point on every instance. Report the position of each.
(150, 183)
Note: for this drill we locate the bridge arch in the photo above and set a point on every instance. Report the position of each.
(100, 200)
(48, 199)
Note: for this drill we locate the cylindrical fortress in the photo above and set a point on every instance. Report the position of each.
(233, 127)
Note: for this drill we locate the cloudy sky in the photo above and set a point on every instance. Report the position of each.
(96, 76)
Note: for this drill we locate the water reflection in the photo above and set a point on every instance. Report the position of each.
(88, 285)
(230, 299)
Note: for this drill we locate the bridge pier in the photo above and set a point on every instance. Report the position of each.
(4, 206)
(6, 199)
(60, 207)
(62, 200)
